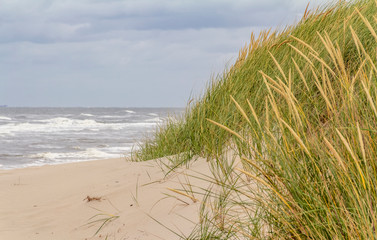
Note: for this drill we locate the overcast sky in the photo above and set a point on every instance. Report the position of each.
(125, 53)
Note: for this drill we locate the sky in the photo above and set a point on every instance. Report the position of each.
(125, 53)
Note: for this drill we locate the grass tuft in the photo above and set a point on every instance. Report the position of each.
(299, 108)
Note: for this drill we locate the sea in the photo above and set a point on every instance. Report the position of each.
(41, 136)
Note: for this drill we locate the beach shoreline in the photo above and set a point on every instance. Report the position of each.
(65, 201)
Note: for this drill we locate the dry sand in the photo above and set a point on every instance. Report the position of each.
(50, 202)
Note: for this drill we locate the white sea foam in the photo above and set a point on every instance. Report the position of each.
(144, 124)
(156, 120)
(87, 114)
(61, 121)
(88, 154)
(61, 124)
(45, 146)
(129, 111)
(49, 158)
(5, 118)
(111, 116)
(119, 150)
(35, 137)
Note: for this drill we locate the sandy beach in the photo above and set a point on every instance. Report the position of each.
(64, 201)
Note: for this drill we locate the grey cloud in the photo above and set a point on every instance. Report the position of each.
(72, 20)
(123, 53)
(153, 65)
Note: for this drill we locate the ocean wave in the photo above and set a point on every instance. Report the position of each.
(144, 124)
(35, 137)
(102, 146)
(61, 121)
(86, 114)
(156, 120)
(61, 157)
(118, 150)
(5, 118)
(111, 116)
(50, 158)
(10, 155)
(65, 125)
(129, 111)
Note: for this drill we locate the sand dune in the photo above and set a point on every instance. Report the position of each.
(51, 202)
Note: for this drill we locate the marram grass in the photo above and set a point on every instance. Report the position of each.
(245, 81)
(299, 106)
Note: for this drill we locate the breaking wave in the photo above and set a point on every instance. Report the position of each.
(61, 124)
